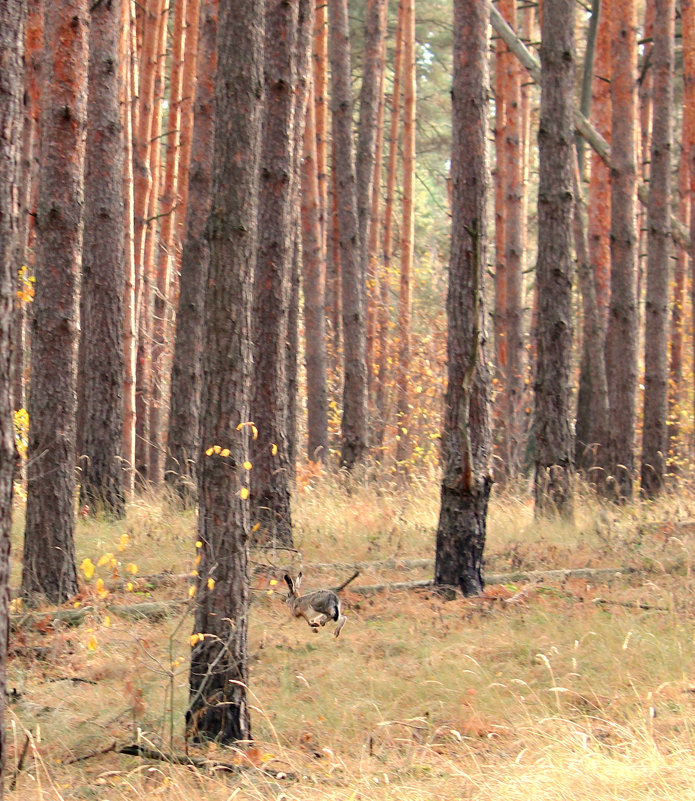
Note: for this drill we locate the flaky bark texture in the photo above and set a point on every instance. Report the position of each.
(354, 423)
(183, 443)
(688, 24)
(270, 487)
(48, 565)
(621, 335)
(101, 483)
(553, 432)
(655, 430)
(467, 438)
(12, 19)
(218, 708)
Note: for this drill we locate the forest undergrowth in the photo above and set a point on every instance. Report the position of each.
(565, 689)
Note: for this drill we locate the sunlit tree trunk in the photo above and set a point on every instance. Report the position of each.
(127, 69)
(354, 422)
(218, 708)
(183, 443)
(554, 436)
(655, 430)
(621, 334)
(165, 254)
(48, 563)
(101, 477)
(12, 20)
(466, 437)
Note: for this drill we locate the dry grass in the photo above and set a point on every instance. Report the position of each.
(530, 691)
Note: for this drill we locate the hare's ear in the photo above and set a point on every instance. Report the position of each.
(298, 581)
(289, 583)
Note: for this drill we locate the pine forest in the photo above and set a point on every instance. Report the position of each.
(391, 298)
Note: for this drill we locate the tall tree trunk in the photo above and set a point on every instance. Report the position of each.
(166, 252)
(183, 443)
(466, 438)
(383, 316)
(314, 282)
(12, 20)
(688, 31)
(127, 80)
(101, 483)
(403, 447)
(621, 335)
(655, 430)
(354, 423)
(270, 487)
(513, 253)
(554, 440)
(218, 707)
(48, 564)
(588, 440)
(374, 35)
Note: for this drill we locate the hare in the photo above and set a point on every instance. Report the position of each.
(317, 607)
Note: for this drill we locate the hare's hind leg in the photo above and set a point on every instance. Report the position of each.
(341, 623)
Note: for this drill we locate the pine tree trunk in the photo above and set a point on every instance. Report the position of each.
(554, 440)
(383, 316)
(270, 490)
(590, 444)
(655, 430)
(218, 707)
(314, 281)
(466, 438)
(101, 484)
(354, 423)
(48, 564)
(127, 70)
(403, 446)
(621, 335)
(12, 21)
(183, 444)
(166, 251)
(688, 30)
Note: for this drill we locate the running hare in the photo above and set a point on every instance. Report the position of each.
(317, 607)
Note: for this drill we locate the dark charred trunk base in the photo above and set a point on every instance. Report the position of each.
(217, 710)
(461, 538)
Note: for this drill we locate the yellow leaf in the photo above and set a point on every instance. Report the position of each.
(211, 583)
(247, 465)
(191, 591)
(273, 582)
(102, 592)
(199, 544)
(254, 431)
(123, 542)
(129, 586)
(131, 568)
(87, 567)
(209, 452)
(107, 621)
(255, 527)
(217, 449)
(244, 493)
(105, 559)
(225, 452)
(197, 560)
(193, 573)
(92, 643)
(273, 449)
(194, 638)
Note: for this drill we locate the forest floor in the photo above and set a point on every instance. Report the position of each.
(561, 688)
